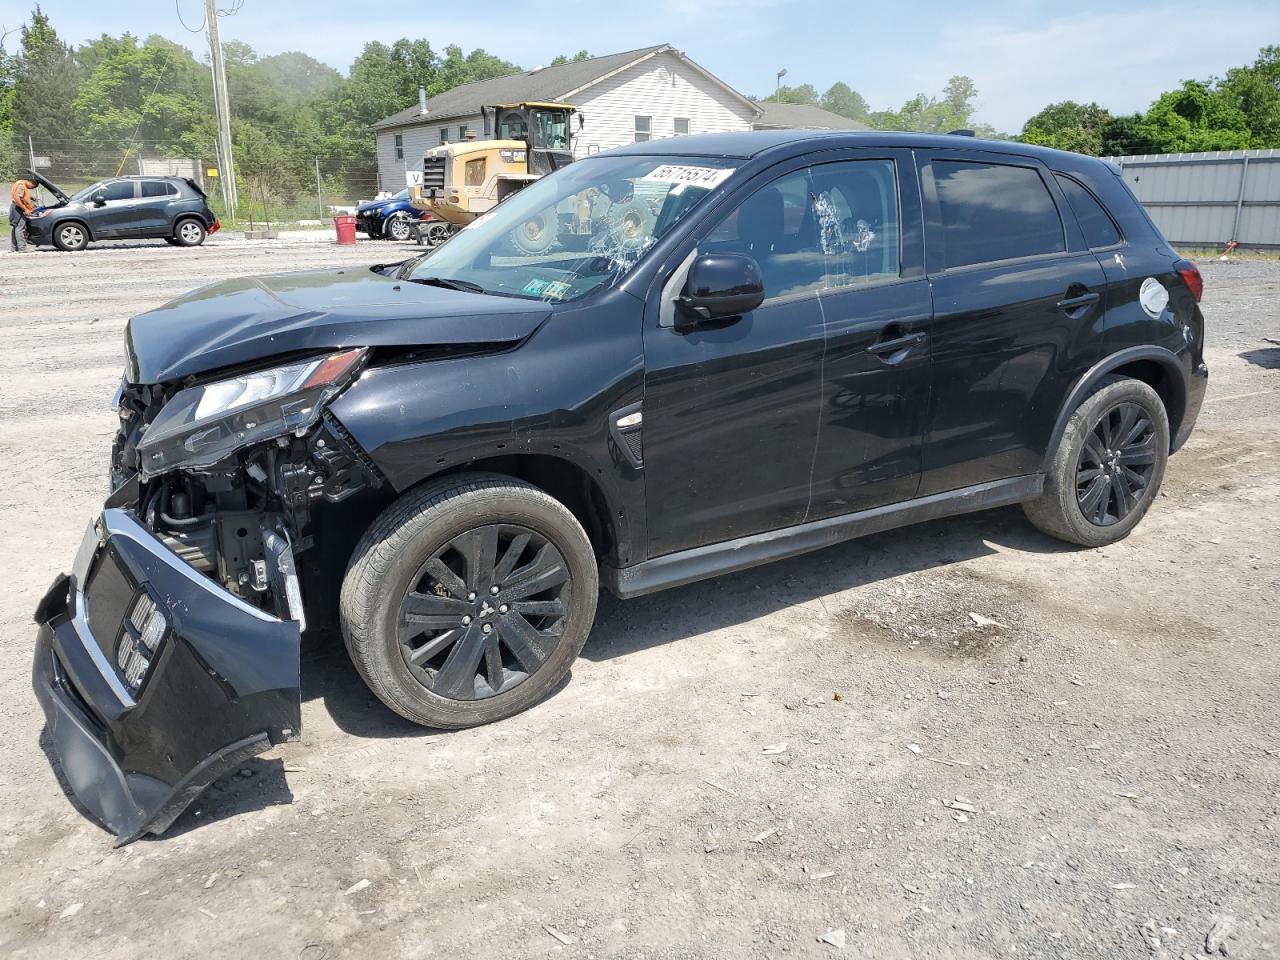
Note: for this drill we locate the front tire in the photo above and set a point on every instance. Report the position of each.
(1108, 467)
(468, 600)
(70, 237)
(397, 228)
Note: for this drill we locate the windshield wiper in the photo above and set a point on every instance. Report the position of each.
(448, 283)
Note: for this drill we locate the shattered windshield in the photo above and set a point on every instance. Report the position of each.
(580, 229)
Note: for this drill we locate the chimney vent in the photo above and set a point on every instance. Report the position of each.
(422, 101)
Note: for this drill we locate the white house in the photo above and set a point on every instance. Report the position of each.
(623, 98)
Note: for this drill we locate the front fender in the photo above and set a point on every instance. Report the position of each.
(551, 396)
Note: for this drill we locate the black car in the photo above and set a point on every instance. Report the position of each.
(771, 342)
(168, 208)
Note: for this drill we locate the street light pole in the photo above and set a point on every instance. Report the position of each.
(781, 73)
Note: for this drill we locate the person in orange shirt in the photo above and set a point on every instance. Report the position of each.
(21, 204)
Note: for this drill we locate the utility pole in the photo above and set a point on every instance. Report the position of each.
(222, 108)
(319, 193)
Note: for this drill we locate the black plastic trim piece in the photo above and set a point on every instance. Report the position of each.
(677, 569)
(1166, 358)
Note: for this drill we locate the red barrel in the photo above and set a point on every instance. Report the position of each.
(346, 227)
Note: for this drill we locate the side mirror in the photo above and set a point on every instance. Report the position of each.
(99, 199)
(582, 120)
(720, 285)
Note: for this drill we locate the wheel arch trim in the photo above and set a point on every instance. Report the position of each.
(67, 221)
(1166, 359)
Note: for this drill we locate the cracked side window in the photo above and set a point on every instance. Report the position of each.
(821, 228)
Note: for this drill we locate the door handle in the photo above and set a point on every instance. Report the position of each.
(897, 343)
(1082, 300)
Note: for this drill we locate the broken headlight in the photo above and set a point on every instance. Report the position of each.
(203, 425)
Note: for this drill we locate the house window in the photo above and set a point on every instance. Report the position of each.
(462, 131)
(682, 125)
(399, 146)
(444, 136)
(643, 129)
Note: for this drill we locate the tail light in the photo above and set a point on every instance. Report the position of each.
(1190, 275)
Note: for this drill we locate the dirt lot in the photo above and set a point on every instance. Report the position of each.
(830, 746)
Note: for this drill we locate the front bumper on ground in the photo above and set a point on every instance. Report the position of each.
(222, 685)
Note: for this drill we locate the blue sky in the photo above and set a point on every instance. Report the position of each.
(1020, 56)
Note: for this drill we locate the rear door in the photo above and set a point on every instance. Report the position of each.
(154, 209)
(1018, 306)
(115, 218)
(877, 308)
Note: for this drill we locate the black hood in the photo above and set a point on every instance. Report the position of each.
(241, 321)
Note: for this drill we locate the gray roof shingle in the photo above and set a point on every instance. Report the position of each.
(802, 116)
(548, 84)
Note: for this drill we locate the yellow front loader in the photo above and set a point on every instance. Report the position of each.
(461, 181)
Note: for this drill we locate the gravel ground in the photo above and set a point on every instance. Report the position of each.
(831, 747)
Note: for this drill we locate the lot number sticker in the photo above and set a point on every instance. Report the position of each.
(705, 178)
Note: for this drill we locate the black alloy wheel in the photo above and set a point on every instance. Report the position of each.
(1115, 465)
(1105, 471)
(484, 612)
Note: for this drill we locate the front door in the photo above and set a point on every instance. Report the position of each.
(1017, 298)
(731, 407)
(116, 216)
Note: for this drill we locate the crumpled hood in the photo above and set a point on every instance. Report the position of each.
(241, 321)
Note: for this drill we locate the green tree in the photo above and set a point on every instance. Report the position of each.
(1068, 125)
(140, 94)
(842, 99)
(46, 80)
(1193, 118)
(805, 93)
(1255, 92)
(9, 151)
(580, 55)
(925, 114)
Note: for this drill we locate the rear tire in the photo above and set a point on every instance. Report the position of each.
(70, 237)
(1108, 467)
(189, 233)
(438, 606)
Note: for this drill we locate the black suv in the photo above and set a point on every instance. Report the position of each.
(173, 209)
(758, 345)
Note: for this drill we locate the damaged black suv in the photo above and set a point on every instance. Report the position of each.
(741, 347)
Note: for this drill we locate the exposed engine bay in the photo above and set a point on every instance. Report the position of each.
(239, 521)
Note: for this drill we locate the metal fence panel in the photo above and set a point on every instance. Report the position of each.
(1208, 199)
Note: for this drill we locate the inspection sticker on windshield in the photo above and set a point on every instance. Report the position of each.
(550, 289)
(702, 177)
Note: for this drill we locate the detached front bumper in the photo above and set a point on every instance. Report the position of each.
(222, 684)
